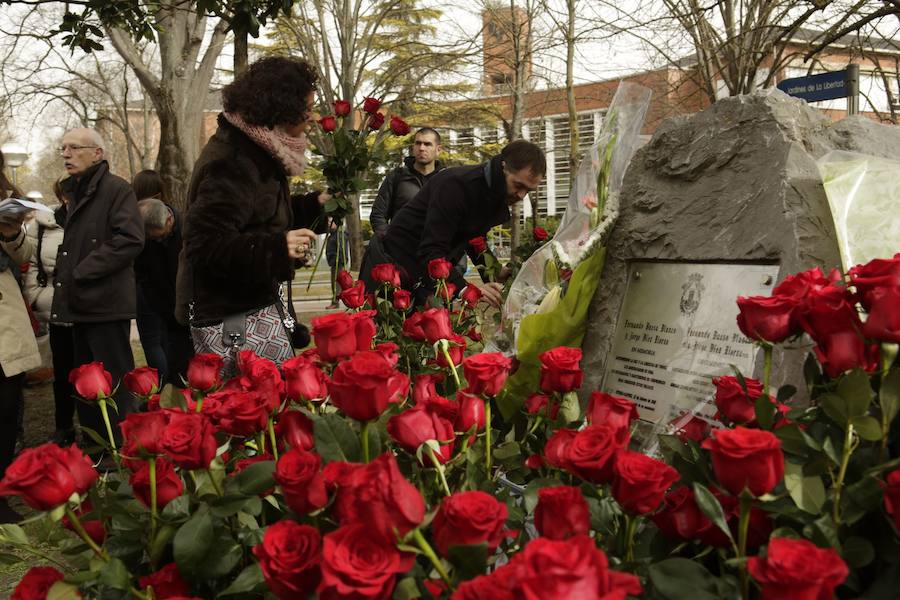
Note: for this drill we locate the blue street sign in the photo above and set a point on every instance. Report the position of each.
(815, 88)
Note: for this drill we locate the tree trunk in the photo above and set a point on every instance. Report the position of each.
(241, 53)
(570, 94)
(354, 230)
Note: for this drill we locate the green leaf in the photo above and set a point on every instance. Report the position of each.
(671, 445)
(680, 578)
(858, 552)
(256, 478)
(171, 397)
(835, 406)
(785, 393)
(407, 589)
(710, 506)
(807, 492)
(115, 575)
(13, 534)
(796, 441)
(507, 451)
(867, 427)
(531, 491)
(161, 542)
(63, 591)
(9, 559)
(223, 556)
(765, 412)
(570, 408)
(468, 561)
(193, 542)
(889, 396)
(336, 440)
(856, 390)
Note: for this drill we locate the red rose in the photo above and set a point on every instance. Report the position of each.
(891, 487)
(471, 413)
(691, 427)
(386, 273)
(681, 518)
(298, 474)
(140, 435)
(389, 351)
(376, 121)
(371, 105)
(401, 299)
(142, 381)
(399, 126)
(335, 336)
(355, 296)
(344, 279)
(439, 268)
(168, 484)
(486, 373)
(243, 414)
(371, 300)
(565, 569)
(456, 348)
(446, 292)
(341, 108)
(557, 446)
(303, 380)
(48, 475)
(167, 583)
(560, 371)
(539, 233)
(91, 381)
(543, 405)
(467, 519)
(799, 285)
(606, 408)
(290, 557)
(880, 272)
(767, 318)
(834, 324)
(471, 295)
(328, 124)
(376, 495)
(797, 569)
(478, 244)
(36, 583)
(883, 323)
(424, 387)
(296, 429)
(534, 462)
(640, 482)
(561, 512)
(737, 405)
(357, 564)
(473, 334)
(435, 323)
(412, 327)
(189, 440)
(412, 428)
(363, 386)
(261, 375)
(591, 453)
(364, 328)
(749, 458)
(205, 371)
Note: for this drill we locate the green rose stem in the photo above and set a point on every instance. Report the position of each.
(445, 349)
(271, 428)
(112, 440)
(487, 437)
(364, 440)
(261, 443)
(428, 551)
(767, 367)
(440, 469)
(849, 446)
(888, 354)
(79, 529)
(198, 406)
(212, 481)
(630, 527)
(153, 508)
(743, 528)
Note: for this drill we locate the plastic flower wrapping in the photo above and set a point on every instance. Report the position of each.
(548, 301)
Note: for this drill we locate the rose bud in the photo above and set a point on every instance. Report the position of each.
(473, 334)
(399, 126)
(640, 482)
(446, 292)
(413, 427)
(560, 371)
(360, 563)
(299, 474)
(296, 429)
(341, 108)
(371, 105)
(335, 336)
(328, 124)
(737, 405)
(467, 519)
(541, 404)
(344, 279)
(355, 296)
(690, 427)
(456, 349)
(606, 408)
(767, 318)
(412, 327)
(364, 328)
(486, 373)
(143, 381)
(386, 273)
(363, 386)
(168, 484)
(303, 380)
(797, 569)
(834, 324)
(204, 371)
(439, 268)
(680, 518)
(91, 381)
(557, 446)
(289, 557)
(36, 583)
(376, 121)
(478, 244)
(539, 234)
(167, 583)
(561, 512)
(471, 413)
(402, 299)
(471, 295)
(883, 323)
(891, 487)
(435, 323)
(141, 433)
(877, 273)
(746, 458)
(46, 476)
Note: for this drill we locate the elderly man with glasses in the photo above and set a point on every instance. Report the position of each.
(95, 285)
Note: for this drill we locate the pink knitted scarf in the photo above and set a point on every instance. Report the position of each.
(290, 151)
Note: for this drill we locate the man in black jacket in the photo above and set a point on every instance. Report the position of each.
(403, 183)
(95, 287)
(455, 206)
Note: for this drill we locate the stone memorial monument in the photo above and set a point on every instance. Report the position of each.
(720, 204)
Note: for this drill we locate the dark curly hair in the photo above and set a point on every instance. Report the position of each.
(271, 92)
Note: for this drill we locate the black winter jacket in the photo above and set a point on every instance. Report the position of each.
(399, 187)
(104, 233)
(156, 269)
(456, 205)
(239, 207)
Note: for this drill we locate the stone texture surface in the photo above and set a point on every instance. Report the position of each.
(736, 182)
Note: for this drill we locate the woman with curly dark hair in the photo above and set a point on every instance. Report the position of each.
(243, 231)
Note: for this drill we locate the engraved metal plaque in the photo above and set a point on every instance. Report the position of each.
(676, 330)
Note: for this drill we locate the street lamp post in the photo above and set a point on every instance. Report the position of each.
(15, 156)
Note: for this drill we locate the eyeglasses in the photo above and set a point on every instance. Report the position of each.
(72, 147)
